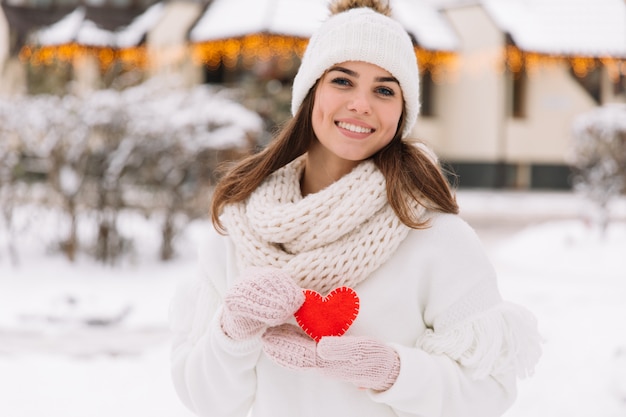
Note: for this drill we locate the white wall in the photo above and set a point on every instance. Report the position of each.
(470, 102)
(554, 99)
(4, 37)
(167, 41)
(472, 122)
(4, 49)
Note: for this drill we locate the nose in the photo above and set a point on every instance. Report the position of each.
(359, 103)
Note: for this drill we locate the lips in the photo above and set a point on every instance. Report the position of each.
(354, 128)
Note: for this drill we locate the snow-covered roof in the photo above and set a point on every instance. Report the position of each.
(430, 29)
(563, 27)
(234, 18)
(300, 18)
(62, 32)
(75, 27)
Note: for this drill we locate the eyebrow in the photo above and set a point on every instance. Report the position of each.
(356, 74)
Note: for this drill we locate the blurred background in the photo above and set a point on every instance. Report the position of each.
(114, 115)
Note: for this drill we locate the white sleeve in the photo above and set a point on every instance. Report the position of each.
(212, 374)
(476, 345)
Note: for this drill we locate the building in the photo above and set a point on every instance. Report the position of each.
(525, 70)
(502, 80)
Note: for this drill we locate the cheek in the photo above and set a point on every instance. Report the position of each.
(320, 110)
(393, 118)
(316, 118)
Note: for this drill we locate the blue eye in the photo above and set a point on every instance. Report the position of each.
(341, 81)
(385, 91)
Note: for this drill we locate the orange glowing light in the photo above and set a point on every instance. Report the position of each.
(282, 51)
(517, 61)
(69, 53)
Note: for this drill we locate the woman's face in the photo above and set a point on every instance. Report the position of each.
(356, 110)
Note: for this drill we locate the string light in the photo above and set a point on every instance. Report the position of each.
(247, 50)
(231, 52)
(281, 51)
(518, 61)
(70, 53)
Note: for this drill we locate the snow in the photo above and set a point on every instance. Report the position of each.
(199, 117)
(224, 19)
(300, 18)
(598, 152)
(607, 120)
(90, 340)
(429, 27)
(568, 27)
(63, 31)
(74, 28)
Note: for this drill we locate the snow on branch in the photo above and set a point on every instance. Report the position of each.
(598, 156)
(152, 147)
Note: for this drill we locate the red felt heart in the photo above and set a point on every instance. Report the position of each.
(328, 316)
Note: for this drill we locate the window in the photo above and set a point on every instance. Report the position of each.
(619, 85)
(428, 87)
(517, 90)
(591, 82)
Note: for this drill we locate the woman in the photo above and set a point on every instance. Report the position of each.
(339, 199)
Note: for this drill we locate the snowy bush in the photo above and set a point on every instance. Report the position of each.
(598, 156)
(150, 148)
(9, 161)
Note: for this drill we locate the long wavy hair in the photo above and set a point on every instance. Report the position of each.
(410, 173)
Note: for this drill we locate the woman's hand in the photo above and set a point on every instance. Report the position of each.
(265, 297)
(362, 361)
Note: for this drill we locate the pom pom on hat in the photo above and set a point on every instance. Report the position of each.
(361, 34)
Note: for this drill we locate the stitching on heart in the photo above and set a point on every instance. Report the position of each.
(331, 315)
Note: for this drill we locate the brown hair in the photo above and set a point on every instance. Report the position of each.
(410, 174)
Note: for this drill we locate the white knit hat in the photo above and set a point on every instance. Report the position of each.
(361, 34)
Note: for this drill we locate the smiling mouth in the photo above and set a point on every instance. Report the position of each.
(354, 128)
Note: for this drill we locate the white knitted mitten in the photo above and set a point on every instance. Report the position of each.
(362, 361)
(265, 297)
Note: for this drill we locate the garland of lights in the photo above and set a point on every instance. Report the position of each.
(518, 61)
(280, 49)
(135, 57)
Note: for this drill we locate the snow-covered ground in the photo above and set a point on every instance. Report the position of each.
(90, 340)
(574, 280)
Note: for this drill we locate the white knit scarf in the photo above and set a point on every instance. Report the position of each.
(337, 236)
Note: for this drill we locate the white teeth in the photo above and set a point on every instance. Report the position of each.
(354, 128)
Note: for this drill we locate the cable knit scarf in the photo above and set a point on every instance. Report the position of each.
(335, 237)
